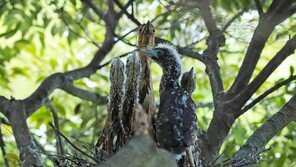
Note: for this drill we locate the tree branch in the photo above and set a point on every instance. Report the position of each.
(274, 16)
(182, 50)
(266, 93)
(73, 145)
(2, 146)
(205, 11)
(130, 16)
(229, 22)
(53, 110)
(215, 40)
(98, 11)
(84, 94)
(268, 130)
(246, 93)
(259, 7)
(124, 8)
(23, 138)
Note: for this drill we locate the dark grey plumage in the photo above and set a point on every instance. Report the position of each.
(188, 81)
(176, 120)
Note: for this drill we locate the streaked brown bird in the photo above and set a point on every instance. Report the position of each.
(146, 40)
(117, 78)
(133, 71)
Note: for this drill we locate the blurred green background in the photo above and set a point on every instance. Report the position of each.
(39, 38)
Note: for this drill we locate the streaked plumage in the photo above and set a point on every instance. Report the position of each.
(133, 71)
(146, 39)
(117, 78)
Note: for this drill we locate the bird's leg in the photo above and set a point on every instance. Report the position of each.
(190, 156)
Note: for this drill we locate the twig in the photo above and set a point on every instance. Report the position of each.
(129, 3)
(229, 22)
(276, 14)
(98, 11)
(68, 141)
(130, 16)
(108, 62)
(287, 50)
(2, 145)
(56, 124)
(268, 92)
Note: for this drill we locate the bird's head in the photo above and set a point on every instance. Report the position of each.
(165, 55)
(188, 81)
(117, 71)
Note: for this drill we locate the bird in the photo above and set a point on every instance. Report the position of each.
(117, 77)
(176, 122)
(133, 72)
(188, 81)
(146, 39)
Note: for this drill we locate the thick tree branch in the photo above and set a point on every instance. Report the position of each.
(25, 143)
(266, 93)
(267, 131)
(84, 94)
(275, 15)
(205, 11)
(215, 40)
(246, 93)
(4, 106)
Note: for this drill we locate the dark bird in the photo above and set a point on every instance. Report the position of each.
(188, 81)
(176, 120)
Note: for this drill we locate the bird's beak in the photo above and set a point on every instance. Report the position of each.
(191, 73)
(149, 52)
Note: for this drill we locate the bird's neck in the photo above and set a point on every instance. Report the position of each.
(169, 79)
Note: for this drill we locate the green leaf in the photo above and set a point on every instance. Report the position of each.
(19, 71)
(158, 10)
(292, 70)
(13, 159)
(10, 33)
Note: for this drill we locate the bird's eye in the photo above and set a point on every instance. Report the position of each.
(153, 30)
(140, 29)
(159, 52)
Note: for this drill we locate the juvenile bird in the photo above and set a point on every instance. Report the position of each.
(188, 81)
(117, 78)
(176, 120)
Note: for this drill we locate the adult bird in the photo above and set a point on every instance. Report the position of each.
(176, 120)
